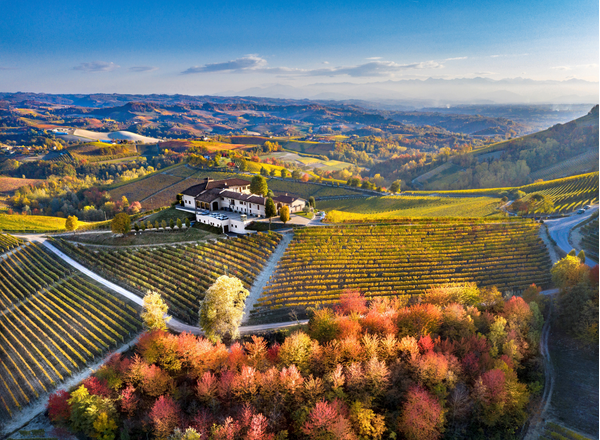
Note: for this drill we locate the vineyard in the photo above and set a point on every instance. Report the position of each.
(590, 238)
(8, 242)
(568, 194)
(181, 274)
(402, 259)
(54, 321)
(383, 208)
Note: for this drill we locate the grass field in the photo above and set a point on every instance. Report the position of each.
(33, 223)
(307, 147)
(381, 208)
(92, 151)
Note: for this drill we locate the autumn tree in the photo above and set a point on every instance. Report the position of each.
(396, 186)
(258, 186)
(568, 272)
(422, 416)
(164, 416)
(222, 308)
(154, 310)
(71, 223)
(121, 224)
(58, 407)
(284, 214)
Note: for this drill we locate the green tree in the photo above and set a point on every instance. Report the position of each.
(273, 172)
(396, 186)
(154, 310)
(243, 164)
(187, 222)
(284, 214)
(258, 185)
(222, 308)
(270, 210)
(581, 256)
(121, 224)
(171, 223)
(136, 227)
(312, 202)
(179, 224)
(71, 223)
(163, 224)
(156, 224)
(284, 173)
(296, 174)
(264, 171)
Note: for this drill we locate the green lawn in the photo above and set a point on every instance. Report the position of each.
(32, 223)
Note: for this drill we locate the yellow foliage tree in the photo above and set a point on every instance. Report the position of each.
(154, 312)
(71, 223)
(222, 308)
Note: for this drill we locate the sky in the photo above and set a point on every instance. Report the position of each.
(201, 47)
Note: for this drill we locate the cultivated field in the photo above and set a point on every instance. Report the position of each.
(8, 242)
(54, 321)
(181, 274)
(309, 163)
(402, 259)
(10, 184)
(570, 193)
(382, 208)
(140, 189)
(33, 223)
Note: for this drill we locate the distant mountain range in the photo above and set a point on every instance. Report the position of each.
(433, 92)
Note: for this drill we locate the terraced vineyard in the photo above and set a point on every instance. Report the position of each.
(388, 208)
(384, 260)
(590, 238)
(8, 242)
(54, 321)
(570, 193)
(183, 273)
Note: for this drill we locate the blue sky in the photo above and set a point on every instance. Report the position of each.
(209, 47)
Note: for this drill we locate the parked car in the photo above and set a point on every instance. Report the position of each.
(581, 211)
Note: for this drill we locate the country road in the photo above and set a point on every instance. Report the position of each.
(560, 228)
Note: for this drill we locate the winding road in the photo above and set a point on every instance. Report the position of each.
(560, 228)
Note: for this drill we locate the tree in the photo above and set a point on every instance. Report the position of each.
(71, 223)
(569, 271)
(154, 310)
(422, 416)
(121, 224)
(179, 224)
(273, 172)
(222, 308)
(258, 185)
(396, 186)
(284, 173)
(284, 214)
(296, 174)
(312, 202)
(542, 203)
(136, 227)
(163, 224)
(581, 256)
(305, 178)
(187, 222)
(164, 416)
(270, 210)
(58, 407)
(264, 171)
(171, 223)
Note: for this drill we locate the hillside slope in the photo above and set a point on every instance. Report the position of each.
(555, 152)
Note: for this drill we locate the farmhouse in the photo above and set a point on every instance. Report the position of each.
(229, 205)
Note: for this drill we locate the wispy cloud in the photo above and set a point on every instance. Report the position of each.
(456, 58)
(374, 68)
(254, 63)
(248, 62)
(373, 58)
(578, 66)
(97, 66)
(143, 69)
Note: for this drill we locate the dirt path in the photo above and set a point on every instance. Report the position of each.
(263, 278)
